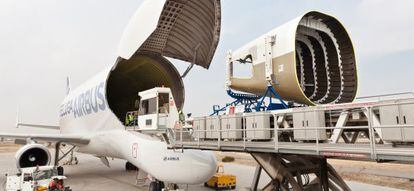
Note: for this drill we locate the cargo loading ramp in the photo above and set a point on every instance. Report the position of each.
(292, 143)
(346, 132)
(339, 150)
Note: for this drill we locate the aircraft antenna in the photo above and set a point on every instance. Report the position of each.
(68, 87)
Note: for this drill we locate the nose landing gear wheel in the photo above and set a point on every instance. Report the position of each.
(60, 170)
(156, 186)
(171, 186)
(175, 187)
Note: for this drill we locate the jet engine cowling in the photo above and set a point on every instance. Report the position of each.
(32, 155)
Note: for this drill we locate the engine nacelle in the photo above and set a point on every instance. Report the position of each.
(32, 155)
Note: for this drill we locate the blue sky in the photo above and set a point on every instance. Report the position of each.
(43, 41)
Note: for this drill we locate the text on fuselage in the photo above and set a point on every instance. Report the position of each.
(88, 102)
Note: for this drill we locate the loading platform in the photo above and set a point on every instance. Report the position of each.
(291, 144)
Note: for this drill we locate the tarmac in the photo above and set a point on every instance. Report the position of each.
(91, 175)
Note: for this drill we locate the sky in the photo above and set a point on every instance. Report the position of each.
(43, 41)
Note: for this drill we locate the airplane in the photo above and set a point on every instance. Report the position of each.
(92, 115)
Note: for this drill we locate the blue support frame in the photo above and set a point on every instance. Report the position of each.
(253, 102)
(271, 106)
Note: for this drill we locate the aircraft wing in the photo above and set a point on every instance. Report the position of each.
(54, 127)
(73, 138)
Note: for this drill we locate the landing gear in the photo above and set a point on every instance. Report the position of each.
(175, 187)
(130, 167)
(60, 170)
(159, 185)
(172, 187)
(65, 152)
(156, 186)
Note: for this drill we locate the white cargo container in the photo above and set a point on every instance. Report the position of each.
(199, 126)
(400, 117)
(258, 126)
(212, 127)
(305, 120)
(231, 126)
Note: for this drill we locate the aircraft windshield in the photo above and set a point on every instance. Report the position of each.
(163, 103)
(148, 106)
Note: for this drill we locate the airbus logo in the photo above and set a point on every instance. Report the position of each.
(170, 158)
(86, 103)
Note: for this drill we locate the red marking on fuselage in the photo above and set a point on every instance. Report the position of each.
(135, 150)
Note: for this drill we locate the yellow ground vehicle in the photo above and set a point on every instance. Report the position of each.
(221, 180)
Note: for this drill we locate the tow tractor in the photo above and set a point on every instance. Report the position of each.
(35, 179)
(221, 180)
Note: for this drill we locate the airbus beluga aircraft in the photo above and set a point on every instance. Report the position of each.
(92, 115)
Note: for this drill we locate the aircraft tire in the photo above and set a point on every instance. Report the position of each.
(153, 186)
(161, 185)
(175, 187)
(60, 170)
(156, 186)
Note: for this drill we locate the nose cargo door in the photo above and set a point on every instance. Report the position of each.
(187, 30)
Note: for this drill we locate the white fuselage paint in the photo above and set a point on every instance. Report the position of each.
(85, 110)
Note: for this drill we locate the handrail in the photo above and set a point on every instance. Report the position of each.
(372, 145)
(373, 152)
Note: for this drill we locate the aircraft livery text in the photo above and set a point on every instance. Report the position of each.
(88, 102)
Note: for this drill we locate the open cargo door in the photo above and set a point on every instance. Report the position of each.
(187, 30)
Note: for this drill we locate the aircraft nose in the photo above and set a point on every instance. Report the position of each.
(206, 164)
